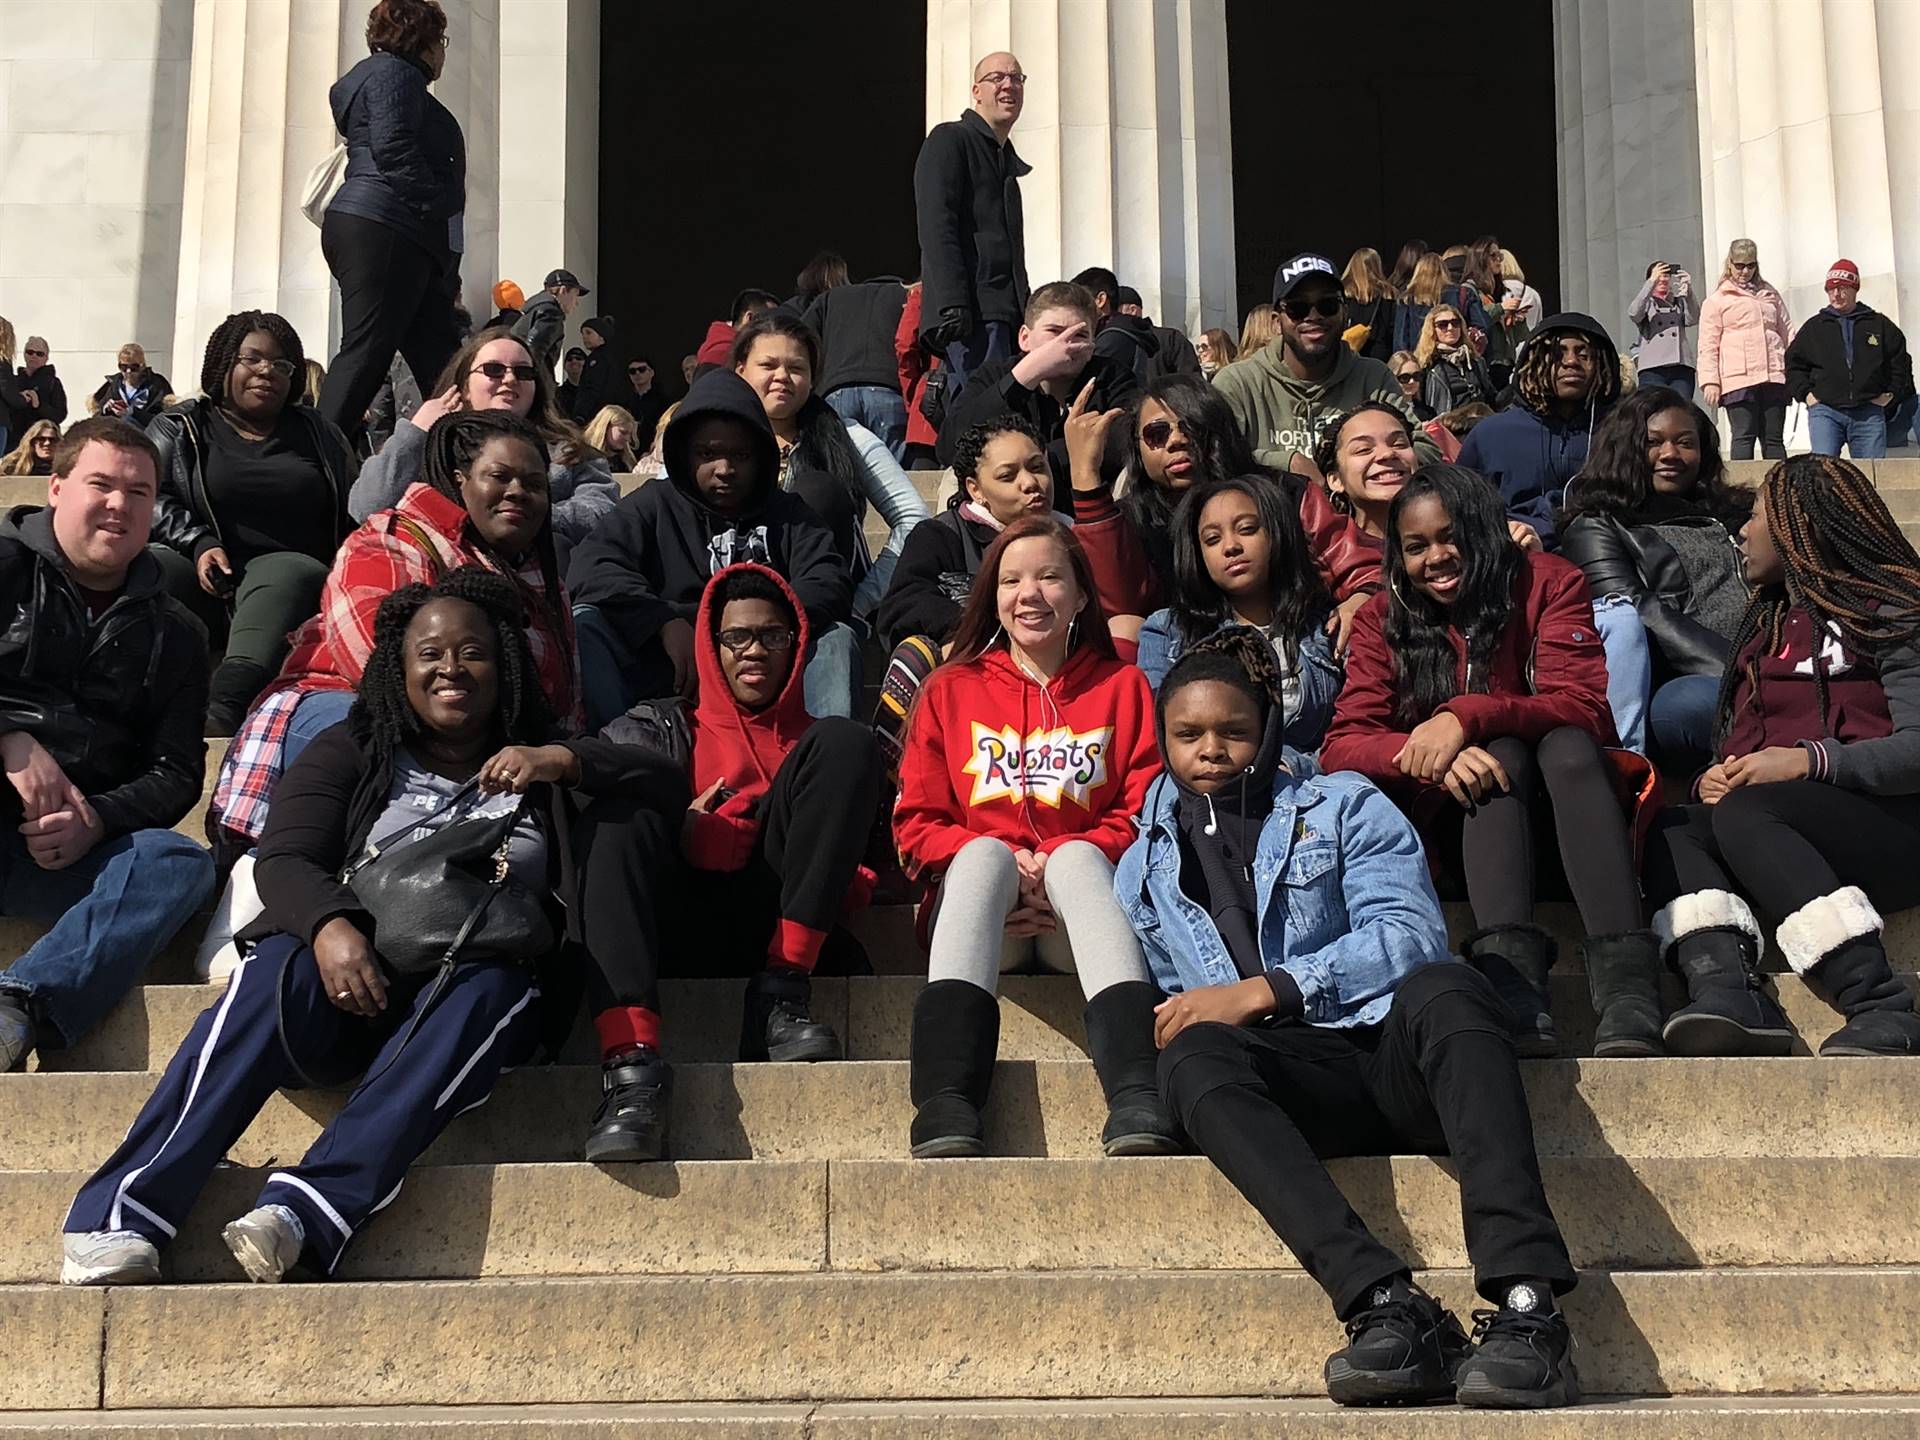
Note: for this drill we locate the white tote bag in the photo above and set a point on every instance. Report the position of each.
(323, 183)
(240, 905)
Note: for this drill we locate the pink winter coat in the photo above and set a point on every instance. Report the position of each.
(1743, 337)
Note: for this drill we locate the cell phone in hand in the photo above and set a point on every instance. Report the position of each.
(223, 583)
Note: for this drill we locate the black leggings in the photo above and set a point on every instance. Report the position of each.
(1494, 843)
(1438, 1077)
(1762, 414)
(1789, 843)
(647, 911)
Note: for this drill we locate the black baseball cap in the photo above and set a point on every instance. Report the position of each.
(564, 277)
(574, 352)
(1300, 269)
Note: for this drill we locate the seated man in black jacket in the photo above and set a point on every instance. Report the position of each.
(1056, 361)
(637, 581)
(103, 696)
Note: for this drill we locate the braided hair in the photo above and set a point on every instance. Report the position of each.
(223, 350)
(382, 716)
(1533, 376)
(1848, 566)
(453, 444)
(1240, 657)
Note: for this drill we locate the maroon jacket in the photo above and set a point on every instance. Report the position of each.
(1785, 709)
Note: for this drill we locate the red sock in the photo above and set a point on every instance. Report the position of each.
(795, 946)
(624, 1027)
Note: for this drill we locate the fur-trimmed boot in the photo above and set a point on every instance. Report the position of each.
(1516, 959)
(1623, 976)
(1714, 942)
(1834, 942)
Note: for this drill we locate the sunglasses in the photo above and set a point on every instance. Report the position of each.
(1156, 433)
(36, 354)
(1326, 307)
(774, 639)
(1408, 377)
(133, 369)
(639, 369)
(497, 371)
(1446, 324)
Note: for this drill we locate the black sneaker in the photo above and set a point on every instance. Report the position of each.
(1403, 1350)
(1522, 1358)
(631, 1123)
(778, 1024)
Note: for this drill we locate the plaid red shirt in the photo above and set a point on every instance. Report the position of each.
(331, 650)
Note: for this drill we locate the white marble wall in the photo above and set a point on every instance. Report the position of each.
(93, 127)
(1629, 153)
(1126, 126)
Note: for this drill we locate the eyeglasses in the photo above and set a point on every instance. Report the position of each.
(260, 365)
(1156, 433)
(1325, 306)
(997, 77)
(497, 371)
(774, 639)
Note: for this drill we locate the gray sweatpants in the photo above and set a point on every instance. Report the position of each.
(981, 888)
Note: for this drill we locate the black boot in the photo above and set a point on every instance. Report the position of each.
(235, 685)
(1834, 942)
(956, 1035)
(1120, 1040)
(1516, 958)
(1715, 944)
(776, 1024)
(1623, 976)
(1403, 1349)
(631, 1124)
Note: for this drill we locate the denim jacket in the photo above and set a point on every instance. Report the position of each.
(1345, 903)
(1162, 644)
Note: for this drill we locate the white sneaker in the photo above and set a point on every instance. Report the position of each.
(267, 1242)
(109, 1257)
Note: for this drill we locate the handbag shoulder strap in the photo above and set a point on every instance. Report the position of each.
(374, 847)
(417, 533)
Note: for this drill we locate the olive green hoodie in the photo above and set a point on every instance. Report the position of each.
(1284, 415)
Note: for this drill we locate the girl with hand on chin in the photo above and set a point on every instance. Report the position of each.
(1477, 689)
(1027, 755)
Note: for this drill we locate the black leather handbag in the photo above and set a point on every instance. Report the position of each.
(448, 898)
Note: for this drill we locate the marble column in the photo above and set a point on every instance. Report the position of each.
(257, 123)
(1629, 151)
(469, 86)
(93, 127)
(1808, 114)
(1126, 126)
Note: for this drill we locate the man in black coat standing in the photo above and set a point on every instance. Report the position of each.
(966, 196)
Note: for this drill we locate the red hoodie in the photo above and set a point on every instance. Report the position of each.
(741, 748)
(991, 751)
(1548, 671)
(717, 348)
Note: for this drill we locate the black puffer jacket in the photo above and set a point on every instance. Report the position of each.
(1632, 560)
(53, 401)
(120, 702)
(406, 157)
(966, 201)
(183, 520)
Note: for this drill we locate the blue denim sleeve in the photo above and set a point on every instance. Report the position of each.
(1156, 648)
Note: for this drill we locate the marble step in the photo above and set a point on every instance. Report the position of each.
(766, 1217)
(860, 1111)
(833, 1337)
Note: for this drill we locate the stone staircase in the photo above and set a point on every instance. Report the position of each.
(1746, 1232)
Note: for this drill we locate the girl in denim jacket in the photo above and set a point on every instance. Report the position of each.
(1314, 1012)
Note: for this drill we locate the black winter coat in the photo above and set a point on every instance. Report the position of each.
(991, 391)
(406, 157)
(120, 702)
(1817, 360)
(603, 382)
(153, 398)
(856, 325)
(966, 201)
(183, 520)
(543, 325)
(931, 581)
(53, 401)
(1632, 560)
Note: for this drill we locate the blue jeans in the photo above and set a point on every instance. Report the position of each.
(1680, 723)
(880, 408)
(1674, 377)
(111, 914)
(315, 713)
(1862, 429)
(832, 679)
(1900, 420)
(991, 340)
(1629, 668)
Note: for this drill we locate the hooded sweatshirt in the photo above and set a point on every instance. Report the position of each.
(1531, 456)
(1132, 342)
(1284, 416)
(992, 751)
(743, 749)
(650, 561)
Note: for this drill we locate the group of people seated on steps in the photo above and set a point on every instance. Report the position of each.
(1205, 712)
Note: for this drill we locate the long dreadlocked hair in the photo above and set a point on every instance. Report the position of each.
(223, 349)
(454, 443)
(382, 716)
(1847, 565)
(1240, 657)
(1533, 376)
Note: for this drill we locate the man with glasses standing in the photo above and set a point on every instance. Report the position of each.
(42, 396)
(1285, 395)
(966, 196)
(133, 392)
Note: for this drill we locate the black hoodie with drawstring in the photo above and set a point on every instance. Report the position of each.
(650, 560)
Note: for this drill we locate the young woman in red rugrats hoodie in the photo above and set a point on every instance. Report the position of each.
(758, 869)
(1813, 809)
(1027, 756)
(1475, 681)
